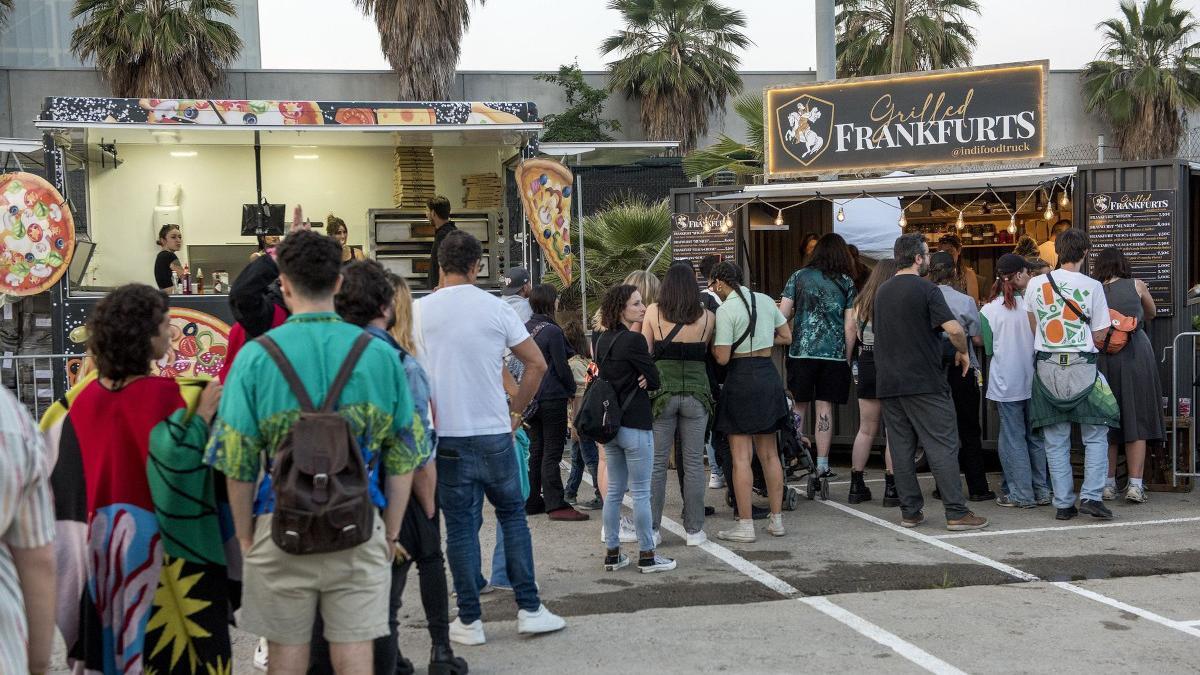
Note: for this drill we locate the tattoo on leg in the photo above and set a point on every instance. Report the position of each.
(823, 423)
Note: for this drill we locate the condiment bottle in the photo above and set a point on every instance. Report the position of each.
(199, 281)
(187, 281)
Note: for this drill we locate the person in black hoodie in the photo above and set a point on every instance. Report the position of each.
(547, 422)
(438, 213)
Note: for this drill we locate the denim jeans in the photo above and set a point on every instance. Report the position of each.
(689, 416)
(500, 561)
(1095, 462)
(630, 462)
(584, 455)
(1022, 454)
(713, 467)
(470, 467)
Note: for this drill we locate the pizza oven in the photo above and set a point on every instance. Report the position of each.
(402, 241)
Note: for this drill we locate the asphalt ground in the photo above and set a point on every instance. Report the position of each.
(849, 590)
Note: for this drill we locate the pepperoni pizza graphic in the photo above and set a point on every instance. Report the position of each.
(37, 234)
(199, 342)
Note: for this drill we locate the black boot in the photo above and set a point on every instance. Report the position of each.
(404, 666)
(442, 661)
(891, 498)
(859, 492)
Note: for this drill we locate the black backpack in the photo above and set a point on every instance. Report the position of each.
(599, 416)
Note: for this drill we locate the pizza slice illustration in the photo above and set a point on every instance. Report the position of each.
(546, 188)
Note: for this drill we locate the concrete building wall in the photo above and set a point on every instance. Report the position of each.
(22, 92)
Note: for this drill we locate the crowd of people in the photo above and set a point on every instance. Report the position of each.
(352, 421)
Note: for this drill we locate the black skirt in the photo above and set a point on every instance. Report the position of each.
(752, 400)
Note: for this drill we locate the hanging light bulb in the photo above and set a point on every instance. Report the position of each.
(1012, 224)
(779, 218)
(1063, 200)
(1048, 213)
(727, 223)
(903, 222)
(959, 223)
(841, 215)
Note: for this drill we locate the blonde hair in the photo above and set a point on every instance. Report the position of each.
(646, 283)
(402, 330)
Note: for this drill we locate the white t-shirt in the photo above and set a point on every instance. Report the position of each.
(1007, 337)
(1059, 328)
(465, 331)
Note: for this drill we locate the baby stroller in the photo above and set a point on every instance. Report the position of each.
(796, 456)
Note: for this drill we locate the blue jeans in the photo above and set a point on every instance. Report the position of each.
(469, 468)
(714, 469)
(1095, 462)
(584, 454)
(499, 561)
(630, 462)
(1022, 454)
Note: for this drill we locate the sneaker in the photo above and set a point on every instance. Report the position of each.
(1095, 509)
(716, 481)
(1136, 494)
(628, 534)
(913, 520)
(442, 661)
(612, 563)
(1066, 514)
(568, 514)
(968, 522)
(570, 499)
(696, 538)
(1109, 494)
(501, 587)
(743, 531)
(775, 525)
(1007, 502)
(593, 504)
(656, 563)
(828, 474)
(469, 634)
(982, 497)
(541, 621)
(657, 539)
(1044, 500)
(260, 654)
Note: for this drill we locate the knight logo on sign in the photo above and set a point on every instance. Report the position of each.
(806, 125)
(1100, 203)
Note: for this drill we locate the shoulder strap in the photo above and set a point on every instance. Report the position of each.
(1070, 303)
(662, 344)
(601, 358)
(343, 376)
(289, 373)
(752, 305)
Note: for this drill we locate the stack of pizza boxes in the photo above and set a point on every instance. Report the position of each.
(483, 191)
(412, 178)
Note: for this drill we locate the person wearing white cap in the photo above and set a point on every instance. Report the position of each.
(516, 292)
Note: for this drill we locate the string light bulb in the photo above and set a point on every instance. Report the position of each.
(779, 218)
(959, 223)
(727, 223)
(1048, 213)
(1012, 224)
(903, 222)
(841, 215)
(1063, 200)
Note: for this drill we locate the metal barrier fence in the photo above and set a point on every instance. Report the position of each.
(1182, 422)
(31, 378)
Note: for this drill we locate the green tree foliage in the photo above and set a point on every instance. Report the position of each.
(727, 154)
(937, 34)
(581, 120)
(421, 41)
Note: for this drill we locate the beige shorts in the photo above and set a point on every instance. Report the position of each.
(282, 592)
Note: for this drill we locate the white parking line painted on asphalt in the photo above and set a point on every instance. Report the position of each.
(1190, 623)
(1034, 530)
(867, 629)
(1144, 613)
(951, 548)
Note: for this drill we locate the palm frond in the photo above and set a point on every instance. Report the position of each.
(421, 40)
(937, 34)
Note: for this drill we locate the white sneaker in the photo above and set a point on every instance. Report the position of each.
(657, 539)
(743, 531)
(1109, 494)
(716, 481)
(628, 533)
(775, 525)
(696, 538)
(469, 634)
(260, 654)
(655, 564)
(1136, 494)
(541, 621)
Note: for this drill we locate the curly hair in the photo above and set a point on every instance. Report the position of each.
(831, 257)
(613, 304)
(459, 252)
(310, 261)
(365, 291)
(333, 225)
(122, 328)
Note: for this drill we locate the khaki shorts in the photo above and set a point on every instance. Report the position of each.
(282, 592)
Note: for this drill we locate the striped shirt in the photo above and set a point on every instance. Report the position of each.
(26, 520)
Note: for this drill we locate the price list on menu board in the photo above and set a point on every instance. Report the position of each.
(1138, 223)
(695, 235)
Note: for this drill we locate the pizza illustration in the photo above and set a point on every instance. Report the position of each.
(199, 342)
(546, 189)
(37, 234)
(230, 112)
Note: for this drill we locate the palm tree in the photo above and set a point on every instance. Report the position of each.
(623, 237)
(677, 57)
(157, 48)
(727, 154)
(932, 33)
(5, 7)
(1148, 73)
(420, 39)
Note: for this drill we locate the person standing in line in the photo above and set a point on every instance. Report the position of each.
(679, 330)
(516, 292)
(624, 361)
(1068, 312)
(465, 331)
(584, 453)
(1007, 338)
(753, 404)
(909, 315)
(964, 280)
(1047, 250)
(1132, 373)
(170, 242)
(27, 580)
(716, 374)
(869, 408)
(964, 388)
(820, 297)
(547, 424)
(438, 212)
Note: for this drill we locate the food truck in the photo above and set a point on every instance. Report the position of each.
(227, 170)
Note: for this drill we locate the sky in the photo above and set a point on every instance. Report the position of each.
(334, 35)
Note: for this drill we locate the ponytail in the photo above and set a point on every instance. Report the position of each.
(1004, 286)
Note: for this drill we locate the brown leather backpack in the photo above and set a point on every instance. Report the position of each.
(320, 479)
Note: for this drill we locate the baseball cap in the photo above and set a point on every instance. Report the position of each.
(1010, 263)
(515, 279)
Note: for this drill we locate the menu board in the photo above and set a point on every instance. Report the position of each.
(695, 235)
(1138, 223)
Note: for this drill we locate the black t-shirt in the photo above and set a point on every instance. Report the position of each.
(909, 313)
(438, 236)
(162, 268)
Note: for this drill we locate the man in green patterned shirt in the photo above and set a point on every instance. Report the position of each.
(282, 591)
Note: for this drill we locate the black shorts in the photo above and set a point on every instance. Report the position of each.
(866, 376)
(818, 380)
